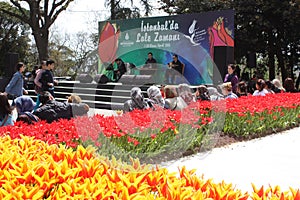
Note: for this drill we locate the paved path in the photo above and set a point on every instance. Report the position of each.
(104, 112)
(272, 160)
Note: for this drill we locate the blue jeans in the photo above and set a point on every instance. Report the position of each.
(37, 103)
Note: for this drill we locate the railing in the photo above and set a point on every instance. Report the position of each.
(101, 96)
(109, 96)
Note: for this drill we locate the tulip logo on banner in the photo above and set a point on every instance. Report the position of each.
(108, 43)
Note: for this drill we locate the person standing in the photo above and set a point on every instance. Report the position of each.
(33, 72)
(175, 68)
(37, 84)
(39, 72)
(47, 79)
(15, 87)
(232, 77)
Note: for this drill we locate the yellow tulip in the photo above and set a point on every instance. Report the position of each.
(37, 170)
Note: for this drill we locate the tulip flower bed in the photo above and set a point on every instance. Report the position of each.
(33, 169)
(164, 133)
(250, 117)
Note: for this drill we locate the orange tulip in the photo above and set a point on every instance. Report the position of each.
(38, 171)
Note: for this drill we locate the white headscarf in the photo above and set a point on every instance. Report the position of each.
(137, 97)
(184, 91)
(214, 94)
(137, 100)
(154, 94)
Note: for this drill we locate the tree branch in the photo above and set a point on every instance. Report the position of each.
(56, 5)
(34, 14)
(45, 14)
(16, 3)
(10, 12)
(53, 15)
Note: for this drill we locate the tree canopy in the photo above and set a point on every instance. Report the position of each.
(268, 27)
(14, 35)
(119, 11)
(39, 15)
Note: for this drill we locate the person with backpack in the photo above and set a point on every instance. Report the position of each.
(37, 84)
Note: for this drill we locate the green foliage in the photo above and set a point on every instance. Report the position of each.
(14, 36)
(260, 124)
(118, 10)
(64, 60)
(265, 27)
(194, 6)
(151, 145)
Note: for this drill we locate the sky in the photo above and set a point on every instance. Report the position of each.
(83, 15)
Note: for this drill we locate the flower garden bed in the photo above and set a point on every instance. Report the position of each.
(55, 161)
(32, 169)
(164, 134)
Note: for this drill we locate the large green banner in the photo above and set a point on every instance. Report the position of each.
(193, 37)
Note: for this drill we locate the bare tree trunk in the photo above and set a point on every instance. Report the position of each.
(281, 64)
(40, 17)
(292, 62)
(271, 64)
(42, 43)
(291, 66)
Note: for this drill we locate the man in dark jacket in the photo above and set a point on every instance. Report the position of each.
(52, 110)
(150, 62)
(174, 68)
(47, 79)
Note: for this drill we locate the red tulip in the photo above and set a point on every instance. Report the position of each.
(108, 43)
